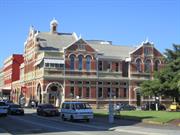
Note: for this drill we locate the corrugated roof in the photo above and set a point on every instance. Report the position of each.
(55, 42)
(109, 50)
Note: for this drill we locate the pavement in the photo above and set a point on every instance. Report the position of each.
(121, 125)
(31, 123)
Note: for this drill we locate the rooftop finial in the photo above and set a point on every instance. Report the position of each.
(147, 40)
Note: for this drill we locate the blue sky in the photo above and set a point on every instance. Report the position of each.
(125, 22)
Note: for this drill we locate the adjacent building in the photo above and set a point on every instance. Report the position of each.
(61, 67)
(11, 73)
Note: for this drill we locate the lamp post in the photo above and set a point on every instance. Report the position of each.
(111, 107)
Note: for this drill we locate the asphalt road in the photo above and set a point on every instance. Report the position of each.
(30, 123)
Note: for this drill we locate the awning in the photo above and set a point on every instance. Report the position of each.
(55, 61)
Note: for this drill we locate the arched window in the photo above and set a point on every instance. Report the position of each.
(72, 62)
(156, 65)
(138, 65)
(80, 57)
(148, 66)
(88, 63)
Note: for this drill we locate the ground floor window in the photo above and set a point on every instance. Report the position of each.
(72, 92)
(125, 92)
(100, 93)
(117, 92)
(80, 92)
(87, 92)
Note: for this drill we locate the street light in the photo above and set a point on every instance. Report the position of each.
(111, 108)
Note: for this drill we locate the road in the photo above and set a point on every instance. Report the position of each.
(30, 123)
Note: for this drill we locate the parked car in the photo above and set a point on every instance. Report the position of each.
(76, 111)
(3, 108)
(47, 110)
(15, 109)
(174, 106)
(124, 107)
(152, 106)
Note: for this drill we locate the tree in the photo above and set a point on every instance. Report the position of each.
(150, 87)
(167, 81)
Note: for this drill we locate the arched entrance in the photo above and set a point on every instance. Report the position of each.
(39, 93)
(54, 91)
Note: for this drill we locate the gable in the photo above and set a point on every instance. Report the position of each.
(81, 46)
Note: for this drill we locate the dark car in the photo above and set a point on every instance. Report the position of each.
(47, 110)
(124, 107)
(15, 109)
(152, 106)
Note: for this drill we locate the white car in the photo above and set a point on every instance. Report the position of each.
(3, 108)
(76, 111)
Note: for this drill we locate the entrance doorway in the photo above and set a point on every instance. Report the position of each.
(138, 97)
(39, 93)
(54, 91)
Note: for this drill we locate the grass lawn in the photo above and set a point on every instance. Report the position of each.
(155, 116)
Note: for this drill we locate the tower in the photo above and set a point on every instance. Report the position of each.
(53, 26)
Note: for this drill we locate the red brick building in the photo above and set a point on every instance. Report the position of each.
(11, 73)
(63, 67)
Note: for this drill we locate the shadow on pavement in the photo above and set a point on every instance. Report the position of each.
(31, 123)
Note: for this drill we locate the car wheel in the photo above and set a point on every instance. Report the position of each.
(87, 120)
(44, 114)
(63, 118)
(72, 118)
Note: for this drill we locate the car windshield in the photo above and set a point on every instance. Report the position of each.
(15, 106)
(2, 104)
(82, 106)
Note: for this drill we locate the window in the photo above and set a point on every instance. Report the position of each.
(67, 106)
(87, 83)
(80, 92)
(117, 93)
(72, 62)
(79, 83)
(100, 93)
(87, 92)
(72, 82)
(138, 65)
(52, 65)
(108, 66)
(100, 83)
(100, 65)
(46, 64)
(125, 92)
(72, 92)
(81, 47)
(117, 67)
(88, 63)
(156, 65)
(109, 92)
(147, 51)
(80, 62)
(148, 66)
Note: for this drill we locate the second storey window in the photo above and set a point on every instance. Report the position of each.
(88, 63)
(147, 66)
(80, 62)
(72, 62)
(138, 65)
(156, 65)
(100, 65)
